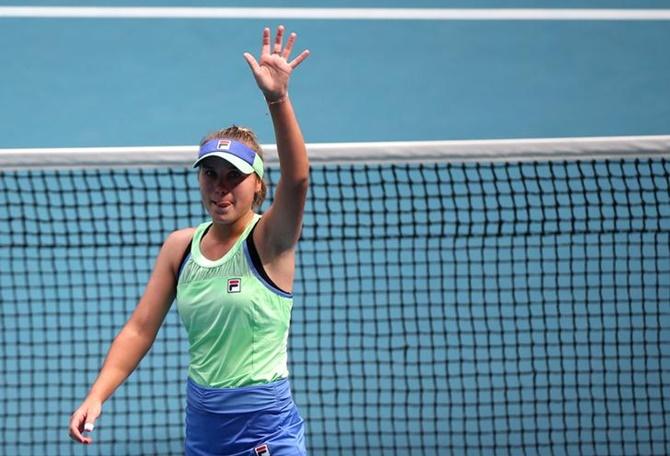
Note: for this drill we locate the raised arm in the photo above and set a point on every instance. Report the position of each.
(136, 337)
(279, 230)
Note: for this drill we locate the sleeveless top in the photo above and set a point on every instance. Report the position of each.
(237, 321)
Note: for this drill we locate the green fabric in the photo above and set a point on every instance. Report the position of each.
(237, 335)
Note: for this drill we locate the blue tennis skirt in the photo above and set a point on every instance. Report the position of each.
(260, 420)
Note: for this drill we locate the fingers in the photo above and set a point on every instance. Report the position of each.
(78, 426)
(277, 45)
(284, 53)
(278, 40)
(253, 64)
(289, 46)
(82, 422)
(265, 49)
(298, 60)
(74, 432)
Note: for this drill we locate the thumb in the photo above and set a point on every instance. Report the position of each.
(92, 414)
(83, 420)
(253, 64)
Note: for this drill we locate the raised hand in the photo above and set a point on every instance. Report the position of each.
(273, 70)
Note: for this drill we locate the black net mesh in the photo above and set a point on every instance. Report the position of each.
(479, 308)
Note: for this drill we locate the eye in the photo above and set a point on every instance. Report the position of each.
(209, 172)
(234, 174)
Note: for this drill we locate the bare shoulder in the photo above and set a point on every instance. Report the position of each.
(181, 236)
(175, 244)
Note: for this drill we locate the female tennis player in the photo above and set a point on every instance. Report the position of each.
(231, 278)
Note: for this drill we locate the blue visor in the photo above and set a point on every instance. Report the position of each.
(238, 154)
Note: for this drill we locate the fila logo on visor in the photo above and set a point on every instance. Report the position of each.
(234, 285)
(223, 144)
(262, 450)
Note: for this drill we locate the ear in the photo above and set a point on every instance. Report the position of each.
(259, 184)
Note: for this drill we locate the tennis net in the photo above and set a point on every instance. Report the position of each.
(469, 297)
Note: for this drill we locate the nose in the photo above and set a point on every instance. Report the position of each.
(221, 190)
(222, 185)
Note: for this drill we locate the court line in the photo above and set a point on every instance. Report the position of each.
(434, 14)
(509, 150)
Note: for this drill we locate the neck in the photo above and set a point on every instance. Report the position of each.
(224, 232)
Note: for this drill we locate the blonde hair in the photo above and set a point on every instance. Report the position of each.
(248, 137)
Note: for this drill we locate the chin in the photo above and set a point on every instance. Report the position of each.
(223, 218)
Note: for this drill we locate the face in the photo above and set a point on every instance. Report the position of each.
(227, 193)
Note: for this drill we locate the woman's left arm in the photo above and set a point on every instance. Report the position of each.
(279, 230)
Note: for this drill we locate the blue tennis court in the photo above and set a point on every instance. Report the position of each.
(132, 82)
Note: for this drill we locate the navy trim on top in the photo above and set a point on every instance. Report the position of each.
(254, 260)
(184, 258)
(257, 266)
(187, 253)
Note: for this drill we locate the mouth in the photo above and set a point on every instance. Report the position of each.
(222, 204)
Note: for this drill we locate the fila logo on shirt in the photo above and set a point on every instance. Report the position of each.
(234, 285)
(262, 450)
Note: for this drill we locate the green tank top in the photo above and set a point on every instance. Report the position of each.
(237, 322)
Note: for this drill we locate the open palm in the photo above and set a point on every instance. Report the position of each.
(273, 70)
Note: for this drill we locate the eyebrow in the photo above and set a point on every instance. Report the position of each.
(227, 166)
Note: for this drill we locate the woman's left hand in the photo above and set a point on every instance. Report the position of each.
(274, 69)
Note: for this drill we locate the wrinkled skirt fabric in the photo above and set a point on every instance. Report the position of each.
(239, 421)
